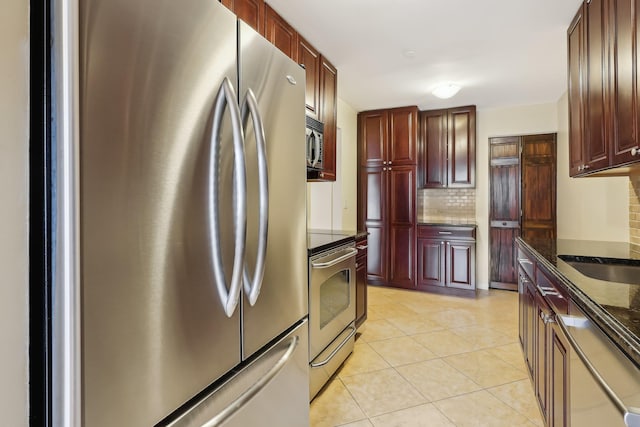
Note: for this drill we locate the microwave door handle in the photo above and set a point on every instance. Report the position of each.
(252, 285)
(310, 154)
(318, 154)
(226, 97)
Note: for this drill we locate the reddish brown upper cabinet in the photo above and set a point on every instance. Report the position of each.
(280, 33)
(250, 11)
(389, 137)
(387, 193)
(604, 120)
(447, 148)
(309, 57)
(328, 116)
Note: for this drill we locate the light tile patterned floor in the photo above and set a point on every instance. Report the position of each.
(424, 359)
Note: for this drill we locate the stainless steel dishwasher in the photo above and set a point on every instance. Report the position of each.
(604, 383)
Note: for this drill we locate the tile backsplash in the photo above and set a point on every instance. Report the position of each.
(634, 214)
(446, 203)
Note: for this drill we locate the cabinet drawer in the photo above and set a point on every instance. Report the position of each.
(447, 232)
(361, 246)
(527, 263)
(552, 292)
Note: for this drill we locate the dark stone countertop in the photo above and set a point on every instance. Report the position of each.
(322, 240)
(613, 306)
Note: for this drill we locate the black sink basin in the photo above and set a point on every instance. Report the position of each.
(609, 269)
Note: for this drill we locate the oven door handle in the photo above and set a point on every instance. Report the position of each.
(336, 350)
(350, 253)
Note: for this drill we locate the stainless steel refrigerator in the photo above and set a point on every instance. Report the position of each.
(181, 293)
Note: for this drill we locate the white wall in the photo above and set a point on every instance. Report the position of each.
(519, 120)
(332, 205)
(14, 115)
(588, 208)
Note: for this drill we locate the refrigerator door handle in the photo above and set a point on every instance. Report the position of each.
(229, 294)
(258, 386)
(252, 285)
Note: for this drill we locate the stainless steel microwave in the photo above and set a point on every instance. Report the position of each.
(314, 141)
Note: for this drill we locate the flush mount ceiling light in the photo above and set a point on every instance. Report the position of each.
(446, 90)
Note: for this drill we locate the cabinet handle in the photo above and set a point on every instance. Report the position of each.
(445, 232)
(547, 318)
(635, 151)
(362, 247)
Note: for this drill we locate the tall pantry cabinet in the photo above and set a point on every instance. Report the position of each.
(387, 155)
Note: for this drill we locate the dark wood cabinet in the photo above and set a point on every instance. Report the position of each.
(447, 148)
(624, 83)
(309, 57)
(328, 116)
(387, 193)
(576, 72)
(522, 192)
(280, 33)
(602, 43)
(361, 281)
(545, 348)
(389, 137)
(250, 11)
(446, 256)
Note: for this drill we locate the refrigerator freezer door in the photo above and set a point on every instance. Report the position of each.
(270, 391)
(278, 84)
(154, 333)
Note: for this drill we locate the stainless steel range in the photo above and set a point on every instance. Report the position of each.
(332, 312)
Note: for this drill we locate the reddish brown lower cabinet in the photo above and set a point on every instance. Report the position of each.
(544, 346)
(361, 281)
(446, 256)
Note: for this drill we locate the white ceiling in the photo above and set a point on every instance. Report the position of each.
(502, 52)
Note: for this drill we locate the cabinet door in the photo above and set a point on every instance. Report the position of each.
(576, 74)
(460, 267)
(542, 332)
(375, 222)
(328, 100)
(530, 315)
(461, 127)
(373, 136)
(624, 82)
(402, 225)
(431, 262)
(361, 287)
(310, 58)
(403, 135)
(539, 186)
(250, 11)
(596, 138)
(504, 209)
(433, 155)
(558, 411)
(280, 33)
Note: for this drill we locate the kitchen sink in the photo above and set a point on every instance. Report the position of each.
(609, 269)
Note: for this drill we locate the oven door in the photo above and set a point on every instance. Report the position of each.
(332, 296)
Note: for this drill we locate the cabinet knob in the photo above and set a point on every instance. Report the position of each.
(585, 167)
(389, 162)
(635, 151)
